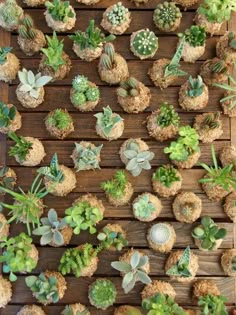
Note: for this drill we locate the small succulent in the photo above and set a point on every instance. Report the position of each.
(3, 54)
(43, 288)
(143, 208)
(59, 119)
(145, 43)
(211, 121)
(166, 175)
(195, 86)
(213, 305)
(218, 67)
(59, 10)
(107, 58)
(109, 238)
(128, 88)
(160, 233)
(80, 84)
(50, 229)
(116, 186)
(10, 13)
(166, 14)
(69, 311)
(117, 15)
(102, 293)
(167, 116)
(195, 36)
(52, 172)
(133, 271)
(106, 121)
(31, 83)
(21, 147)
(88, 157)
(15, 255)
(231, 88)
(232, 40)
(208, 233)
(5, 180)
(137, 160)
(181, 268)
(7, 115)
(219, 12)
(26, 28)
(54, 52)
(83, 216)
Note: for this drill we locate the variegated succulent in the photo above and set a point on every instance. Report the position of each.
(143, 207)
(86, 157)
(52, 172)
(106, 121)
(181, 268)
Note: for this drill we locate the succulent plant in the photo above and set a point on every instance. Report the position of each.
(3, 54)
(167, 116)
(145, 43)
(7, 115)
(166, 14)
(59, 119)
(128, 88)
(181, 268)
(102, 293)
(211, 121)
(31, 83)
(21, 147)
(133, 271)
(52, 172)
(10, 13)
(213, 305)
(16, 256)
(54, 52)
(117, 15)
(43, 288)
(87, 157)
(80, 83)
(143, 208)
(218, 66)
(116, 186)
(195, 86)
(50, 229)
(160, 234)
(107, 57)
(69, 311)
(26, 28)
(232, 40)
(231, 88)
(208, 233)
(166, 175)
(59, 10)
(137, 160)
(195, 36)
(106, 121)
(109, 238)
(5, 180)
(219, 12)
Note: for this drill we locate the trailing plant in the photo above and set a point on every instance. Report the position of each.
(10, 13)
(52, 172)
(3, 54)
(218, 67)
(232, 40)
(231, 89)
(107, 57)
(31, 83)
(117, 15)
(133, 271)
(166, 14)
(16, 256)
(54, 52)
(213, 305)
(5, 180)
(217, 11)
(110, 238)
(83, 216)
(195, 36)
(106, 121)
(21, 147)
(43, 288)
(60, 10)
(87, 157)
(186, 144)
(145, 43)
(181, 268)
(59, 119)
(128, 88)
(26, 28)
(117, 185)
(143, 208)
(218, 176)
(102, 293)
(7, 115)
(92, 38)
(166, 175)
(196, 86)
(167, 116)
(211, 121)
(69, 311)
(208, 233)
(50, 229)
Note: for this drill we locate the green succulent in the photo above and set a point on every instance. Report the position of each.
(15, 257)
(83, 216)
(107, 120)
(109, 238)
(217, 11)
(196, 86)
(60, 10)
(83, 92)
(213, 305)
(208, 233)
(4, 51)
(117, 15)
(145, 42)
(160, 233)
(211, 121)
(166, 175)
(59, 118)
(195, 36)
(117, 185)
(181, 268)
(87, 157)
(52, 172)
(166, 15)
(92, 94)
(44, 289)
(10, 13)
(143, 208)
(133, 271)
(217, 66)
(21, 147)
(232, 40)
(7, 115)
(167, 116)
(69, 311)
(102, 293)
(228, 88)
(5, 180)
(26, 28)
(128, 88)
(80, 83)
(107, 58)
(50, 229)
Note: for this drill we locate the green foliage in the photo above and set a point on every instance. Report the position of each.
(133, 271)
(107, 120)
(44, 289)
(217, 10)
(54, 52)
(102, 293)
(80, 83)
(232, 40)
(218, 66)
(166, 175)
(69, 311)
(31, 83)
(83, 92)
(59, 10)
(52, 172)
(26, 28)
(167, 116)
(83, 216)
(10, 12)
(7, 115)
(161, 304)
(109, 238)
(181, 268)
(195, 86)
(145, 43)
(137, 160)
(143, 208)
(5, 180)
(92, 38)
(15, 255)
(195, 36)
(208, 233)
(88, 157)
(128, 88)
(116, 186)
(21, 148)
(3, 54)
(231, 89)
(218, 176)
(107, 58)
(213, 305)
(117, 15)
(166, 15)
(50, 229)
(211, 121)
(186, 144)
(59, 119)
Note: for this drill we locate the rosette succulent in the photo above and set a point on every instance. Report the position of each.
(166, 175)
(213, 305)
(59, 10)
(10, 13)
(7, 114)
(116, 186)
(109, 238)
(143, 208)
(86, 157)
(167, 116)
(106, 121)
(195, 36)
(102, 293)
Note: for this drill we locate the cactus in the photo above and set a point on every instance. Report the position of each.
(128, 88)
(145, 43)
(7, 115)
(143, 208)
(218, 66)
(26, 28)
(102, 293)
(117, 15)
(59, 10)
(167, 116)
(195, 36)
(160, 233)
(3, 54)
(10, 13)
(166, 14)
(92, 94)
(87, 157)
(233, 263)
(83, 92)
(107, 57)
(211, 121)
(59, 119)
(107, 120)
(80, 83)
(195, 86)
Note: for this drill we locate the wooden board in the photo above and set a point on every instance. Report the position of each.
(57, 96)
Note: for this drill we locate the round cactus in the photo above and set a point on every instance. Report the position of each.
(117, 15)
(106, 62)
(166, 15)
(92, 94)
(80, 83)
(160, 233)
(79, 98)
(122, 92)
(145, 43)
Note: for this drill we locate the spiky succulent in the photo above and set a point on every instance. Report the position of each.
(217, 11)
(145, 43)
(102, 293)
(218, 66)
(195, 36)
(232, 40)
(109, 238)
(31, 83)
(3, 54)
(15, 257)
(213, 305)
(208, 233)
(44, 288)
(166, 15)
(211, 121)
(128, 88)
(107, 58)
(181, 268)
(167, 116)
(21, 147)
(54, 52)
(87, 157)
(6, 181)
(117, 185)
(50, 229)
(195, 86)
(69, 311)
(80, 83)
(118, 14)
(229, 88)
(7, 115)
(160, 234)
(106, 121)
(143, 207)
(59, 10)
(52, 172)
(133, 271)
(10, 13)
(92, 38)
(166, 175)
(59, 118)
(26, 28)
